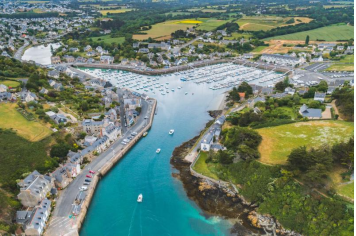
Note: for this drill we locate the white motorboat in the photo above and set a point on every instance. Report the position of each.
(140, 198)
(171, 131)
(179, 87)
(158, 150)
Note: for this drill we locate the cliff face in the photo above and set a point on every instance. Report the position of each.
(213, 199)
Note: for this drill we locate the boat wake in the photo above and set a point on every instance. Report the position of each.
(132, 219)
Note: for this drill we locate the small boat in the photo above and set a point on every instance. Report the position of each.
(158, 150)
(144, 134)
(179, 87)
(172, 90)
(186, 93)
(140, 198)
(171, 131)
(183, 79)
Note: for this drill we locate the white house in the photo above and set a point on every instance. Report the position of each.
(207, 141)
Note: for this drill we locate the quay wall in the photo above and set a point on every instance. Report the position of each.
(247, 63)
(106, 168)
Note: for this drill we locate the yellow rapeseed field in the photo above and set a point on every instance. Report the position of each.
(189, 22)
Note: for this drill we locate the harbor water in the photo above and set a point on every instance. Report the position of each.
(40, 54)
(166, 209)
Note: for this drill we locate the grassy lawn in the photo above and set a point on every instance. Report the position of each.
(202, 167)
(12, 119)
(108, 40)
(256, 23)
(347, 190)
(163, 30)
(259, 48)
(345, 64)
(239, 35)
(278, 141)
(10, 83)
(114, 11)
(328, 33)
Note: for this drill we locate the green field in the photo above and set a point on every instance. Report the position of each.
(328, 33)
(347, 190)
(345, 64)
(108, 39)
(114, 11)
(202, 168)
(236, 35)
(10, 83)
(277, 142)
(163, 30)
(10, 118)
(259, 49)
(256, 23)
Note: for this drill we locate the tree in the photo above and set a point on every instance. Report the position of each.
(245, 88)
(138, 109)
(298, 158)
(307, 40)
(60, 150)
(323, 86)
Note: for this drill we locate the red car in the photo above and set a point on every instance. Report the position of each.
(91, 172)
(89, 176)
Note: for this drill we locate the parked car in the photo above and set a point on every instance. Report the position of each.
(83, 188)
(124, 143)
(91, 172)
(85, 183)
(87, 180)
(88, 176)
(134, 133)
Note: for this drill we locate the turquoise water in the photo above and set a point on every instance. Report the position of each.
(165, 210)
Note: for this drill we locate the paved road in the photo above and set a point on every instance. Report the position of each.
(178, 48)
(19, 52)
(60, 223)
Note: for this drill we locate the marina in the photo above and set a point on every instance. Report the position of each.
(219, 76)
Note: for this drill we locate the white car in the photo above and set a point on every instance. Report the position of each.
(83, 188)
(124, 143)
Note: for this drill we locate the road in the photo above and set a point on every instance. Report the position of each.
(60, 223)
(178, 48)
(19, 52)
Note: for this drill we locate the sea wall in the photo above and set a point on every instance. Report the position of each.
(107, 167)
(162, 71)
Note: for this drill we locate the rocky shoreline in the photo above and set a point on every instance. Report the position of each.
(218, 199)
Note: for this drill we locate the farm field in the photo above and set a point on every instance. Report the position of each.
(328, 33)
(206, 10)
(108, 40)
(256, 23)
(163, 30)
(277, 142)
(10, 83)
(10, 118)
(114, 11)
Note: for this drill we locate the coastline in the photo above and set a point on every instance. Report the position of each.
(220, 198)
(107, 167)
